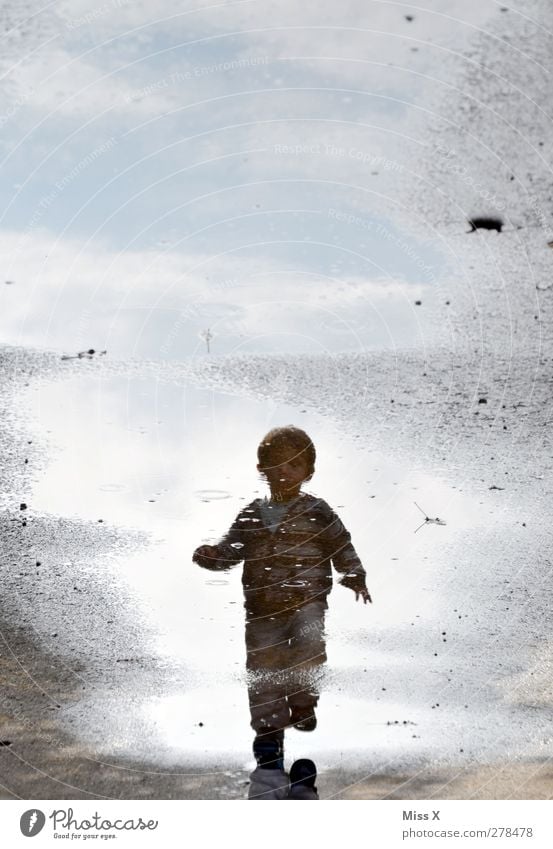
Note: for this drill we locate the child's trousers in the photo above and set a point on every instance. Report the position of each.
(284, 655)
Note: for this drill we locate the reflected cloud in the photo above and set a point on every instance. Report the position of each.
(155, 305)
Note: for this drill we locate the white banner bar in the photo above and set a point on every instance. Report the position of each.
(374, 824)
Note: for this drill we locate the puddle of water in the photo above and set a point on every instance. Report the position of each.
(179, 462)
(141, 216)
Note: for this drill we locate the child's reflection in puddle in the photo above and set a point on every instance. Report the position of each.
(288, 543)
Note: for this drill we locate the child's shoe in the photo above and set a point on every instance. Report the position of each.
(303, 719)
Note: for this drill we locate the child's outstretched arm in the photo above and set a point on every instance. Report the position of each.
(228, 551)
(344, 556)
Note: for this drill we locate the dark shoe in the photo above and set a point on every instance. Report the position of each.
(268, 750)
(303, 772)
(303, 719)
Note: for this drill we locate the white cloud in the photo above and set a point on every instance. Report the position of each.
(352, 45)
(70, 297)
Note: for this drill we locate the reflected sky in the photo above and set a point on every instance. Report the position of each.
(165, 172)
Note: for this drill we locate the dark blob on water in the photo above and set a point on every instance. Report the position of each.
(485, 224)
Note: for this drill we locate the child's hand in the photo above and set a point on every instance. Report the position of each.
(206, 556)
(359, 587)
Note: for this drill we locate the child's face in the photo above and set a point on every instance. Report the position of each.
(288, 470)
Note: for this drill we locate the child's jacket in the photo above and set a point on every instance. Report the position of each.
(289, 565)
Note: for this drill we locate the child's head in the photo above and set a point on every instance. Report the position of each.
(286, 458)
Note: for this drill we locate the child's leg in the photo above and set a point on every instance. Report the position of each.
(267, 657)
(307, 635)
(267, 642)
(269, 709)
(307, 654)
